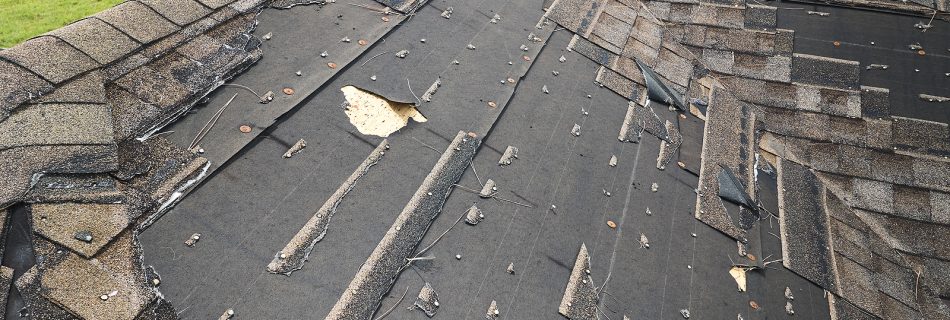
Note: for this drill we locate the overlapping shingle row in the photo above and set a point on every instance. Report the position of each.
(77, 107)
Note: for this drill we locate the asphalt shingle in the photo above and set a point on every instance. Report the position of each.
(98, 39)
(138, 21)
(181, 12)
(18, 85)
(51, 58)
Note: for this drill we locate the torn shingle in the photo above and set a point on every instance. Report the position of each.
(427, 301)
(377, 274)
(804, 228)
(296, 252)
(580, 296)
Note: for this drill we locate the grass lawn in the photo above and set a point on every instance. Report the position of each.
(24, 19)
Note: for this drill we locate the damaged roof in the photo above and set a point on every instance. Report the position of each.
(254, 159)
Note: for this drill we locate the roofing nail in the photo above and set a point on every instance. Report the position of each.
(373, 77)
(510, 63)
(455, 62)
(324, 54)
(470, 46)
(197, 236)
(649, 213)
(753, 304)
(788, 308)
(524, 48)
(245, 129)
(458, 257)
(423, 40)
(345, 39)
(788, 294)
(299, 73)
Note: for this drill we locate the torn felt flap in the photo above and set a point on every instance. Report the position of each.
(731, 189)
(373, 114)
(657, 91)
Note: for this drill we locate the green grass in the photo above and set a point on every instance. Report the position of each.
(24, 19)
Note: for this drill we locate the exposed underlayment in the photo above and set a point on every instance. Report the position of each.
(95, 119)
(295, 254)
(374, 115)
(392, 254)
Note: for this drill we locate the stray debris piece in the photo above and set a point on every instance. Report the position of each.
(613, 161)
(611, 224)
(576, 131)
(915, 46)
(493, 312)
(819, 13)
(511, 268)
(447, 13)
(84, 236)
(228, 314)
(788, 294)
(373, 77)
(788, 308)
(427, 96)
(267, 97)
(495, 19)
(510, 154)
(644, 242)
(193, 240)
(489, 189)
(458, 257)
(606, 193)
(298, 73)
(753, 304)
(685, 313)
(923, 26)
(297, 147)
(649, 213)
(533, 37)
(742, 250)
(654, 187)
(268, 36)
(427, 301)
(562, 59)
(362, 42)
(402, 53)
(555, 73)
(324, 54)
(877, 66)
(524, 48)
(423, 40)
(470, 47)
(738, 273)
(455, 62)
(474, 215)
(345, 39)
(544, 89)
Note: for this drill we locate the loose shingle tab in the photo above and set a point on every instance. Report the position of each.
(181, 12)
(804, 228)
(824, 71)
(57, 124)
(51, 58)
(138, 21)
